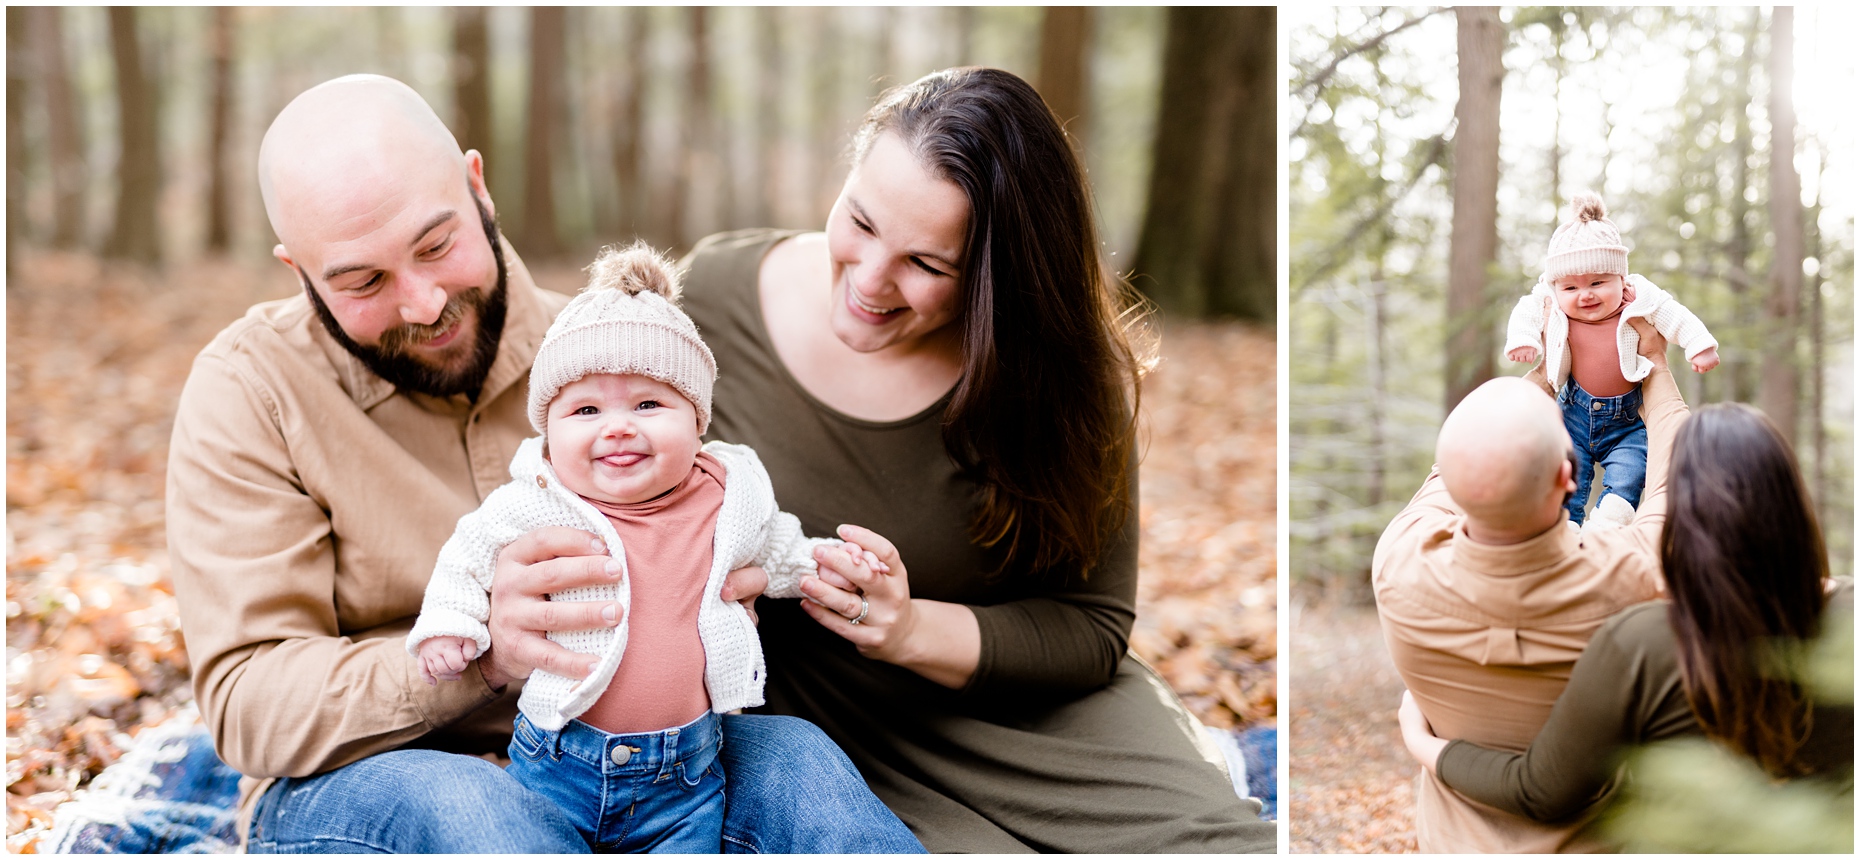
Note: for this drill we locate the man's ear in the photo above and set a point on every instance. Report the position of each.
(474, 176)
(1566, 476)
(284, 256)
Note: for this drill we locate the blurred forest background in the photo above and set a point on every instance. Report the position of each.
(1433, 151)
(135, 232)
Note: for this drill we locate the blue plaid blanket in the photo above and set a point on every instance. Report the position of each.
(170, 794)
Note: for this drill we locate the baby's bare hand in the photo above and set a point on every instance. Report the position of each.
(1706, 360)
(444, 658)
(1523, 355)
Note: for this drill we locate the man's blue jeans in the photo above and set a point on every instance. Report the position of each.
(658, 792)
(1609, 431)
(791, 790)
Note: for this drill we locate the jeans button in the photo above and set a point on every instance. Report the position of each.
(1597, 407)
(621, 754)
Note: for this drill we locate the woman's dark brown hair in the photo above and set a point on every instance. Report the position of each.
(1045, 413)
(1744, 563)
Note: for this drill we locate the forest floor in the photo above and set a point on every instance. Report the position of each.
(97, 354)
(1352, 782)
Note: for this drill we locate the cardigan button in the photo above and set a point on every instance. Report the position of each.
(621, 754)
(542, 482)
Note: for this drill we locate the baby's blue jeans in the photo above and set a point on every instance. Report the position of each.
(1609, 431)
(659, 792)
(792, 791)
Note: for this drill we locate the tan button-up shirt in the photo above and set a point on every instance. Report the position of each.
(1485, 636)
(307, 501)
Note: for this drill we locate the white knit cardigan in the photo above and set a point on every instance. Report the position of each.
(1668, 316)
(750, 530)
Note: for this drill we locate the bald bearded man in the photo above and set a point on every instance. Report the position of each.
(324, 447)
(1487, 596)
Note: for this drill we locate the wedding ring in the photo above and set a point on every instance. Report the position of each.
(865, 606)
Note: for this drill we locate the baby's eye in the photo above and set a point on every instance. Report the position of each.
(647, 404)
(587, 410)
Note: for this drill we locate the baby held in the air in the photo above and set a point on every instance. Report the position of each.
(1576, 318)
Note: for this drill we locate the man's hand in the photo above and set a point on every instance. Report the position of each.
(1706, 360)
(541, 563)
(1652, 342)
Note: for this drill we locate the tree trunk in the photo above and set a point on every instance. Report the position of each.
(64, 114)
(824, 129)
(1065, 67)
(964, 25)
(219, 194)
(1782, 327)
(1560, 67)
(136, 235)
(471, 80)
(1210, 233)
(629, 123)
(697, 137)
(1817, 354)
(17, 55)
(1474, 242)
(1738, 365)
(548, 38)
(768, 136)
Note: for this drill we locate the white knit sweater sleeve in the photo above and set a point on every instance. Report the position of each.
(788, 555)
(1681, 326)
(458, 597)
(1526, 327)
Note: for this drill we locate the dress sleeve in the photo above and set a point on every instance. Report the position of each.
(1069, 639)
(254, 568)
(1573, 757)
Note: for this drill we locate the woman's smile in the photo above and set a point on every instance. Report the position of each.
(863, 309)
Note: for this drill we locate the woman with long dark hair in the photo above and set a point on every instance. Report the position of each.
(1746, 573)
(947, 377)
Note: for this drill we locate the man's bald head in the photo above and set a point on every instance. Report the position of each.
(340, 147)
(1501, 453)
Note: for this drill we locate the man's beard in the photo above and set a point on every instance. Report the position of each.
(392, 358)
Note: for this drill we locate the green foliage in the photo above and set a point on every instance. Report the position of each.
(1694, 795)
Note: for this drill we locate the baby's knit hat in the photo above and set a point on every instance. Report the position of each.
(1587, 243)
(625, 321)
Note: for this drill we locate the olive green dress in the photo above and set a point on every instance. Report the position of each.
(1061, 741)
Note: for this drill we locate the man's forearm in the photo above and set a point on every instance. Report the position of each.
(1663, 411)
(306, 706)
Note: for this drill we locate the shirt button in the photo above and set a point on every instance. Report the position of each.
(621, 755)
(542, 482)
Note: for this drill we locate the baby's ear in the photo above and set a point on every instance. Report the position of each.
(1627, 292)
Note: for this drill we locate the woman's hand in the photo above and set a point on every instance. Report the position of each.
(1417, 734)
(863, 594)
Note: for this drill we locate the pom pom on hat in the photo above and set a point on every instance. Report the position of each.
(1588, 207)
(1587, 243)
(637, 268)
(625, 321)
